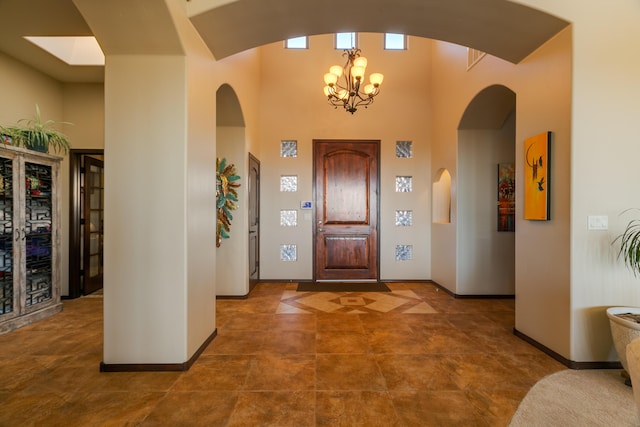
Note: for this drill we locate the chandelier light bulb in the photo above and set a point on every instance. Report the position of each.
(376, 79)
(369, 89)
(360, 61)
(357, 72)
(343, 94)
(327, 91)
(330, 79)
(336, 69)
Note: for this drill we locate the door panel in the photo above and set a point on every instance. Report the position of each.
(346, 252)
(346, 200)
(346, 188)
(254, 220)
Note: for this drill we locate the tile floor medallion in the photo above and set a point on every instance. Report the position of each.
(397, 301)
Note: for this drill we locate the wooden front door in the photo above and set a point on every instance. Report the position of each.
(346, 210)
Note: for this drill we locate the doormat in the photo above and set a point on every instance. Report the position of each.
(343, 287)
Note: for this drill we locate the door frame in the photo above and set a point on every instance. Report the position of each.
(75, 213)
(377, 207)
(89, 282)
(250, 197)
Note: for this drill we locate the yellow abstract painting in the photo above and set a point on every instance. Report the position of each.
(536, 177)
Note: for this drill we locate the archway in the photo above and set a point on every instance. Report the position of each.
(232, 277)
(502, 28)
(486, 143)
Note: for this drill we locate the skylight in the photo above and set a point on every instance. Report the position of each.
(345, 40)
(72, 50)
(393, 41)
(297, 43)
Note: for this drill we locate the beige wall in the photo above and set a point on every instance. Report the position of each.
(232, 274)
(542, 86)
(604, 168)
(22, 88)
(293, 108)
(83, 105)
(145, 122)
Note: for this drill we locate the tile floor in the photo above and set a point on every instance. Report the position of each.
(412, 357)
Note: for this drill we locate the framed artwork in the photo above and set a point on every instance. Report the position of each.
(537, 158)
(506, 197)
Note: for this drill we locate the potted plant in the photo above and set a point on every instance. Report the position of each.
(625, 321)
(37, 135)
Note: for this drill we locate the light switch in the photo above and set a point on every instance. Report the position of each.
(598, 222)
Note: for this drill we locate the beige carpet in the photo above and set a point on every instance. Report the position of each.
(578, 398)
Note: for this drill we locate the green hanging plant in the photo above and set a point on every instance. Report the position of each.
(35, 134)
(226, 197)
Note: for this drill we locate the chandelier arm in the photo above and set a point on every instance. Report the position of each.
(364, 102)
(351, 55)
(335, 102)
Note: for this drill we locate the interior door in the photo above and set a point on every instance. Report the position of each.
(93, 233)
(254, 221)
(346, 210)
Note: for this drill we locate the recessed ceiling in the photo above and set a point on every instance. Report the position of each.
(83, 50)
(44, 18)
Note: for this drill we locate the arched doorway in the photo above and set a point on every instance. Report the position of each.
(234, 254)
(486, 143)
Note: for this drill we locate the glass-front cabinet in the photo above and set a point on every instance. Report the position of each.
(29, 242)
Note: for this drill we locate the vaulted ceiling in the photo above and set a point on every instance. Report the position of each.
(504, 29)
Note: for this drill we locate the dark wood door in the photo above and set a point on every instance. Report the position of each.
(93, 232)
(346, 215)
(254, 220)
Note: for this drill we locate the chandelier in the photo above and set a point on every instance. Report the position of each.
(343, 83)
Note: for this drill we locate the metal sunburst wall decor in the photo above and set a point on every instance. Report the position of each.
(226, 197)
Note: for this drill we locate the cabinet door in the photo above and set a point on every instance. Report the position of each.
(37, 234)
(9, 235)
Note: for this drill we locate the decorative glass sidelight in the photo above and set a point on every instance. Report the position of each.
(288, 253)
(289, 183)
(404, 149)
(6, 236)
(37, 233)
(404, 218)
(289, 218)
(289, 148)
(404, 184)
(404, 252)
